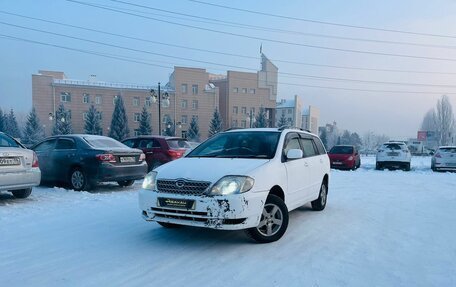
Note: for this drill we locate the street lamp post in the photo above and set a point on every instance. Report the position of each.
(165, 102)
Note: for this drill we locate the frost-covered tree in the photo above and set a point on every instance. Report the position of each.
(10, 125)
(216, 125)
(2, 121)
(324, 137)
(119, 123)
(144, 122)
(193, 131)
(92, 124)
(33, 131)
(429, 121)
(62, 122)
(445, 122)
(282, 121)
(355, 140)
(261, 120)
(345, 138)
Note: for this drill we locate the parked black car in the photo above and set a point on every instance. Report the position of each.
(82, 161)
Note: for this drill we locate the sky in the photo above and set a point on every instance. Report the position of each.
(309, 54)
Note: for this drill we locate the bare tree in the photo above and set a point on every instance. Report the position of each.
(445, 122)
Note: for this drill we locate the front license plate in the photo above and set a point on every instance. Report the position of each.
(127, 159)
(336, 162)
(176, 203)
(10, 161)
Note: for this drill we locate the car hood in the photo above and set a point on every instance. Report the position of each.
(207, 169)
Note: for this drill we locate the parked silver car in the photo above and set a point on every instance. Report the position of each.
(19, 170)
(444, 159)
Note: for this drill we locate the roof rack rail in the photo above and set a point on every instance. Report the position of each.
(234, 128)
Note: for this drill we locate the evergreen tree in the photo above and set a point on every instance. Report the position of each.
(33, 131)
(324, 137)
(355, 140)
(62, 122)
(144, 122)
(193, 131)
(216, 125)
(10, 125)
(92, 125)
(119, 123)
(282, 121)
(2, 121)
(345, 139)
(261, 121)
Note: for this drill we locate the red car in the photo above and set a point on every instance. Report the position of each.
(158, 149)
(344, 157)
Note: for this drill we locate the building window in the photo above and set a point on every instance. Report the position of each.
(283, 112)
(148, 101)
(195, 117)
(251, 91)
(166, 119)
(85, 98)
(184, 120)
(235, 110)
(290, 111)
(244, 90)
(137, 133)
(65, 97)
(244, 123)
(184, 88)
(234, 124)
(100, 115)
(136, 118)
(252, 111)
(194, 104)
(195, 89)
(184, 104)
(98, 99)
(84, 116)
(136, 102)
(244, 110)
(235, 90)
(114, 100)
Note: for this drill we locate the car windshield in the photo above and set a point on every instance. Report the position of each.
(393, 146)
(341, 150)
(248, 144)
(178, 143)
(6, 141)
(104, 142)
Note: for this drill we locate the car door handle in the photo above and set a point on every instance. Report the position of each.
(306, 164)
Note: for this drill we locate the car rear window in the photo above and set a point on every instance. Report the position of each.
(104, 142)
(341, 150)
(448, 149)
(6, 141)
(394, 146)
(178, 143)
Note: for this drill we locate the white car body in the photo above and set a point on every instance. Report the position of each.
(299, 180)
(393, 155)
(17, 172)
(444, 158)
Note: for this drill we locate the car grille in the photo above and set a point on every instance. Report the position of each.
(195, 216)
(182, 186)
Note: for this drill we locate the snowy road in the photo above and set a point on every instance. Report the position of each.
(380, 228)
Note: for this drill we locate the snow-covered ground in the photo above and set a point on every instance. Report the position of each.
(380, 228)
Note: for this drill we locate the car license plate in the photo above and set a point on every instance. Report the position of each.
(10, 161)
(337, 163)
(176, 203)
(125, 159)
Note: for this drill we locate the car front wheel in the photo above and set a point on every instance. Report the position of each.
(78, 180)
(320, 203)
(125, 183)
(22, 193)
(273, 222)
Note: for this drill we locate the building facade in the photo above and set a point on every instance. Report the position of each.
(310, 119)
(291, 110)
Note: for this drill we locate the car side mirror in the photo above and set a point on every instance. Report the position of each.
(294, 153)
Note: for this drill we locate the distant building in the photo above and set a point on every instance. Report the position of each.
(243, 94)
(310, 119)
(291, 110)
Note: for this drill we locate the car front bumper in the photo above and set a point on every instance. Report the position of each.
(20, 180)
(231, 212)
(109, 172)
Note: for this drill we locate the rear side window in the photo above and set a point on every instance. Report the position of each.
(308, 147)
(129, 143)
(65, 144)
(145, 143)
(178, 143)
(6, 141)
(320, 147)
(47, 145)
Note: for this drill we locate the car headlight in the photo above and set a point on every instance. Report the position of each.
(232, 184)
(350, 158)
(150, 180)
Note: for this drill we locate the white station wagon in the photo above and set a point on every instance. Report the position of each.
(240, 179)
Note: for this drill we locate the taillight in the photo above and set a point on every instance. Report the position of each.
(175, 153)
(106, 157)
(142, 157)
(438, 155)
(35, 160)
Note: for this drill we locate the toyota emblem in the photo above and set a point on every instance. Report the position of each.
(180, 183)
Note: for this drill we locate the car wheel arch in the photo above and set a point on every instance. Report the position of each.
(326, 182)
(277, 191)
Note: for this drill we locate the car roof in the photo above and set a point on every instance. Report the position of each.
(268, 130)
(447, 146)
(154, 137)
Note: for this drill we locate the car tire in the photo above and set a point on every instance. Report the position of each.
(78, 180)
(22, 193)
(407, 167)
(320, 203)
(359, 164)
(169, 225)
(273, 221)
(378, 166)
(125, 183)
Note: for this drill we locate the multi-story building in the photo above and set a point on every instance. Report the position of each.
(291, 110)
(243, 94)
(198, 99)
(310, 118)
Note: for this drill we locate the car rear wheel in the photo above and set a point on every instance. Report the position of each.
(378, 166)
(125, 183)
(78, 180)
(169, 225)
(407, 167)
(22, 193)
(273, 221)
(320, 203)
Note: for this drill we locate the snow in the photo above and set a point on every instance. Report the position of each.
(380, 228)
